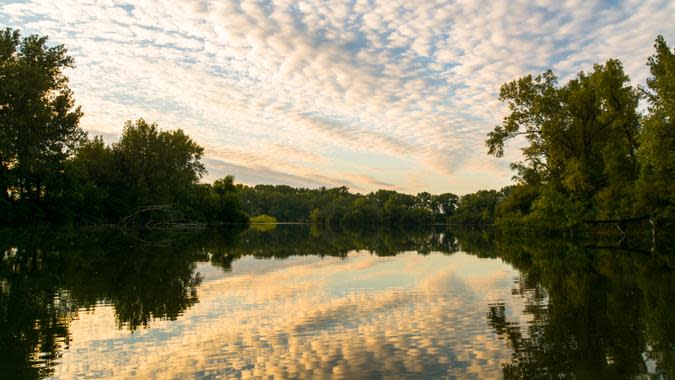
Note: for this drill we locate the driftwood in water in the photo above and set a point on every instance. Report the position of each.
(164, 217)
(622, 224)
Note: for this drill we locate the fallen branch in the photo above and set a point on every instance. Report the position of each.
(160, 217)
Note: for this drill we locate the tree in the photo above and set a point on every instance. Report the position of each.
(476, 208)
(155, 166)
(444, 205)
(50, 171)
(90, 175)
(656, 186)
(39, 123)
(581, 138)
(226, 202)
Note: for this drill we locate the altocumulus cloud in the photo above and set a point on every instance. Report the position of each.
(366, 93)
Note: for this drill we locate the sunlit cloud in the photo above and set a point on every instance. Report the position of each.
(283, 89)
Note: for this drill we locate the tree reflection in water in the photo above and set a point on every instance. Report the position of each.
(591, 313)
(47, 277)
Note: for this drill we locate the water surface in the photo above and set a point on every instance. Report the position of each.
(296, 302)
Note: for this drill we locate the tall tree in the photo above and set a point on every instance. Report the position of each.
(39, 123)
(581, 137)
(656, 186)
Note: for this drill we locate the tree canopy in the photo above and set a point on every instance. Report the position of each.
(39, 122)
(587, 143)
(146, 167)
(656, 187)
(339, 207)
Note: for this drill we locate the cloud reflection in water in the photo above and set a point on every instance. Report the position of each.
(360, 317)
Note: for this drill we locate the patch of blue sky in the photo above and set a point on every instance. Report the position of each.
(225, 70)
(127, 7)
(23, 22)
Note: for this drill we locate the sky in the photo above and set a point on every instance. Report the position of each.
(366, 94)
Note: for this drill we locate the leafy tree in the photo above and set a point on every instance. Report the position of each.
(90, 174)
(477, 208)
(657, 141)
(444, 205)
(39, 123)
(147, 167)
(155, 166)
(581, 139)
(226, 207)
(50, 171)
(517, 201)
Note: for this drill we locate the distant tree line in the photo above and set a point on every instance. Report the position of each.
(338, 207)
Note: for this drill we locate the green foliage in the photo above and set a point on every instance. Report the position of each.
(261, 219)
(157, 166)
(50, 171)
(557, 210)
(517, 200)
(39, 123)
(477, 208)
(338, 207)
(263, 223)
(91, 175)
(217, 203)
(147, 167)
(656, 186)
(589, 153)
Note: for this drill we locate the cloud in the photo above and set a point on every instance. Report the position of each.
(301, 80)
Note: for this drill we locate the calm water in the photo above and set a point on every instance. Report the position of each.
(296, 302)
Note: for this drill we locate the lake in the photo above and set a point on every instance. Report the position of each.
(295, 301)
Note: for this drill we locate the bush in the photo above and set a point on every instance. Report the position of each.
(263, 219)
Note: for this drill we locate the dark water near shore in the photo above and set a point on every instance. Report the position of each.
(297, 302)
